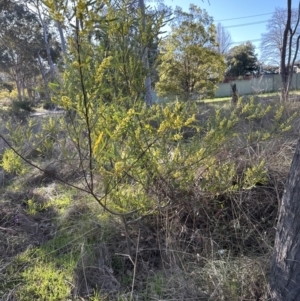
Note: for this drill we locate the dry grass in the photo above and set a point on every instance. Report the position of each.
(203, 247)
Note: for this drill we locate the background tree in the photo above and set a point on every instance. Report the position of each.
(242, 59)
(45, 22)
(271, 43)
(50, 53)
(4, 4)
(223, 39)
(148, 85)
(20, 42)
(188, 63)
(288, 55)
(130, 33)
(60, 20)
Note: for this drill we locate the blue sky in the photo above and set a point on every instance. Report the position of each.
(232, 9)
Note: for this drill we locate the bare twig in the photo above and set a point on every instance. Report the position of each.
(135, 266)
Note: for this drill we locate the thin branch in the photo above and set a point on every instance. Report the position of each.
(39, 168)
(90, 183)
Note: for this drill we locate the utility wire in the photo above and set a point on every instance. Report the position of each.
(246, 24)
(243, 17)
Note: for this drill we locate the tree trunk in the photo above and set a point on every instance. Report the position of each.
(47, 46)
(61, 35)
(47, 94)
(285, 267)
(148, 84)
(284, 65)
(62, 39)
(19, 86)
(286, 61)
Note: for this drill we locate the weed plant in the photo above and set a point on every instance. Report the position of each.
(116, 200)
(215, 219)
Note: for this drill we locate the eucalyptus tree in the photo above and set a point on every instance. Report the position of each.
(37, 7)
(20, 41)
(120, 30)
(50, 52)
(59, 21)
(189, 63)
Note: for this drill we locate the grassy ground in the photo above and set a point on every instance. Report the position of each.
(58, 244)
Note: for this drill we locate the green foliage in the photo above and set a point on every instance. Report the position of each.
(242, 59)
(48, 136)
(8, 95)
(12, 163)
(113, 43)
(44, 282)
(60, 203)
(255, 174)
(21, 40)
(254, 112)
(188, 63)
(33, 207)
(147, 156)
(143, 153)
(20, 132)
(49, 272)
(4, 95)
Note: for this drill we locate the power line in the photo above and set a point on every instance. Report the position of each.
(246, 24)
(243, 17)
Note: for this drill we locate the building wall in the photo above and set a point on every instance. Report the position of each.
(265, 83)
